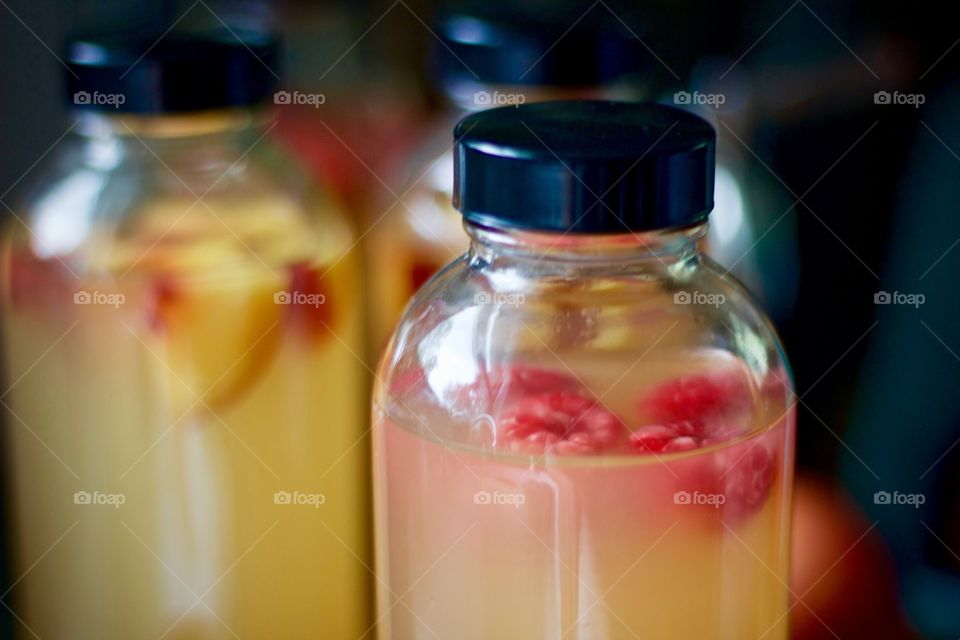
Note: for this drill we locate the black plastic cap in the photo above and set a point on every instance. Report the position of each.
(153, 73)
(560, 44)
(584, 167)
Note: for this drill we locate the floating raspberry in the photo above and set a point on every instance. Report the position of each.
(559, 422)
(682, 443)
(163, 294)
(747, 479)
(736, 481)
(667, 438)
(309, 308)
(652, 439)
(700, 399)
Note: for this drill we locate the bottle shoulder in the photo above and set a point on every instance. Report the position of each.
(488, 315)
(106, 205)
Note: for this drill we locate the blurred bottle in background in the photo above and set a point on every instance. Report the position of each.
(489, 55)
(181, 322)
(748, 226)
(353, 105)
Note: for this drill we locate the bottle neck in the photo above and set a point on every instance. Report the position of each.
(197, 147)
(556, 253)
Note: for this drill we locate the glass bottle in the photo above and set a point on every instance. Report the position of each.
(583, 428)
(489, 55)
(182, 322)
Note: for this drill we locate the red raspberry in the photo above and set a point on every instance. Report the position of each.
(682, 443)
(742, 475)
(559, 422)
(667, 438)
(652, 439)
(164, 294)
(311, 309)
(746, 479)
(690, 428)
(701, 399)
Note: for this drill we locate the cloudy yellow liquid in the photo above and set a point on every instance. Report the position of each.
(186, 448)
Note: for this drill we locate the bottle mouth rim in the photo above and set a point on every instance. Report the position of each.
(580, 246)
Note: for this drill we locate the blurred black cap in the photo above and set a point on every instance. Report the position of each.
(536, 43)
(147, 72)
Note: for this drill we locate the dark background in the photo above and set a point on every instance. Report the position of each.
(860, 198)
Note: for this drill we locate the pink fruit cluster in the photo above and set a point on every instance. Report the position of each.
(552, 414)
